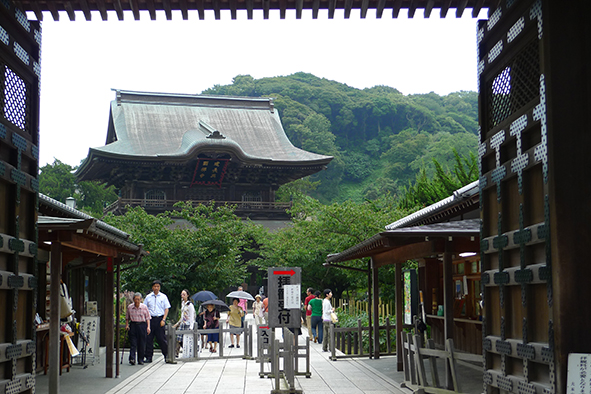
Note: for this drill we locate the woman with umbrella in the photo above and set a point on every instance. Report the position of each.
(234, 320)
(200, 297)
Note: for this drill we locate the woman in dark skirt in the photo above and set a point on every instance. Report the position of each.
(212, 320)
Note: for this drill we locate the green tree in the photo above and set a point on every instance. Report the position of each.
(197, 247)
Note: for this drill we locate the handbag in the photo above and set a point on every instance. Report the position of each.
(334, 318)
(65, 309)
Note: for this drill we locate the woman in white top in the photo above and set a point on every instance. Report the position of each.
(257, 310)
(327, 309)
(186, 322)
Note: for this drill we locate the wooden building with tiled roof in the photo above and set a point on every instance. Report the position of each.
(165, 148)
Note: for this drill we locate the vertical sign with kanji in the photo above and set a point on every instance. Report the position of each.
(285, 297)
(579, 373)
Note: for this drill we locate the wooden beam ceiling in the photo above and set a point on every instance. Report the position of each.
(118, 7)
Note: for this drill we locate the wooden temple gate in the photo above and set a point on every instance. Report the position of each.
(19, 152)
(535, 94)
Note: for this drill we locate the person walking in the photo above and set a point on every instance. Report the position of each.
(310, 296)
(315, 307)
(186, 322)
(137, 322)
(327, 309)
(212, 320)
(257, 310)
(242, 303)
(234, 321)
(158, 305)
(266, 310)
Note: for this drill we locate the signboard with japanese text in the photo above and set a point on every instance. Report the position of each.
(90, 326)
(410, 297)
(284, 297)
(579, 373)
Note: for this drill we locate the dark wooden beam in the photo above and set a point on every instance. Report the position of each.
(167, 9)
(299, 5)
(364, 7)
(151, 9)
(380, 8)
(54, 317)
(476, 8)
(53, 10)
(448, 305)
(395, 12)
(460, 8)
(266, 5)
(249, 8)
(445, 7)
(233, 5)
(90, 245)
(70, 10)
(369, 314)
(102, 9)
(118, 9)
(135, 9)
(376, 322)
(201, 9)
(37, 12)
(429, 8)
(184, 9)
(85, 9)
(399, 314)
(282, 8)
(408, 252)
(332, 4)
(412, 7)
(315, 8)
(118, 317)
(217, 10)
(109, 321)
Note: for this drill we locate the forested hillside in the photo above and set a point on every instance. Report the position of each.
(379, 138)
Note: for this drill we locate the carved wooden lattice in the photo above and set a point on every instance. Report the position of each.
(515, 237)
(19, 160)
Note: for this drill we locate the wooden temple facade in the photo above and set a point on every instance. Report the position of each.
(166, 148)
(534, 189)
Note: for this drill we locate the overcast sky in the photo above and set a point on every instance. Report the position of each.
(82, 61)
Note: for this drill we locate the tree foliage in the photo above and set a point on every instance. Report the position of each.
(197, 247)
(318, 230)
(57, 180)
(374, 134)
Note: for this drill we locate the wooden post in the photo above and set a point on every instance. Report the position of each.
(118, 318)
(399, 312)
(368, 312)
(376, 300)
(448, 306)
(108, 302)
(54, 317)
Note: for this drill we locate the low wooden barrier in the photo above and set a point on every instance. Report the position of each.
(349, 340)
(414, 355)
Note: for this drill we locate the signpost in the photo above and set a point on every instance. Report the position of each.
(285, 297)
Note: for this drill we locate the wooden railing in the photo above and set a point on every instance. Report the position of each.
(349, 340)
(166, 205)
(354, 307)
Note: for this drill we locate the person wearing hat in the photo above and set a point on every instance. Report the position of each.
(257, 310)
(158, 305)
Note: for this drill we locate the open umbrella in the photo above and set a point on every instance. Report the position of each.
(219, 305)
(240, 294)
(203, 295)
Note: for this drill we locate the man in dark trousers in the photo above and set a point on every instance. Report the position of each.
(137, 322)
(158, 305)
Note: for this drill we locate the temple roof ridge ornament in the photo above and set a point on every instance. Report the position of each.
(213, 132)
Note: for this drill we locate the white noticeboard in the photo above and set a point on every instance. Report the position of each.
(579, 373)
(90, 325)
(292, 296)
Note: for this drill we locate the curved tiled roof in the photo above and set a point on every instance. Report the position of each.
(152, 125)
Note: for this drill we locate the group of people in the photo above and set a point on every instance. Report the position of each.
(318, 316)
(145, 322)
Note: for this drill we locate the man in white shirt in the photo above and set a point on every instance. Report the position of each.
(158, 305)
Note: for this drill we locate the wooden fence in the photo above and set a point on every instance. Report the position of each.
(353, 307)
(350, 340)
